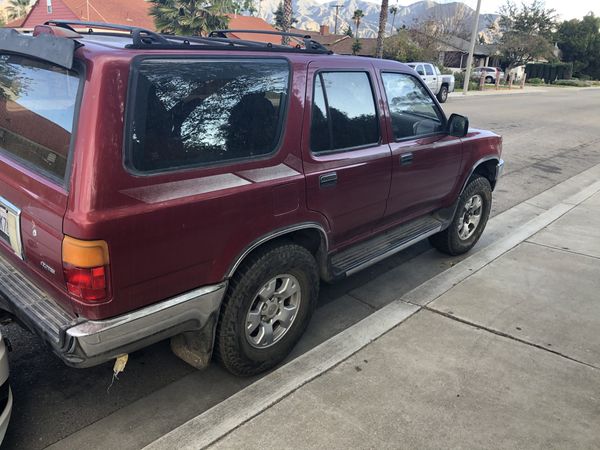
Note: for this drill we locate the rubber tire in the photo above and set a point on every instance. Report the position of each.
(448, 241)
(489, 80)
(232, 350)
(442, 96)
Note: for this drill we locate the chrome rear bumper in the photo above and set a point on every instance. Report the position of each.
(85, 343)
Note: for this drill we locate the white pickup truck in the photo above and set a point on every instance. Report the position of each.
(440, 85)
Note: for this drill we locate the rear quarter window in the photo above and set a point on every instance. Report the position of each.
(37, 109)
(196, 112)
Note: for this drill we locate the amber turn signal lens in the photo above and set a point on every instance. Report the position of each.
(85, 266)
(84, 254)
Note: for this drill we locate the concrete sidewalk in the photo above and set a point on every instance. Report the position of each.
(501, 351)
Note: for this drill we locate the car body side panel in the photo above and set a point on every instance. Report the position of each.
(172, 232)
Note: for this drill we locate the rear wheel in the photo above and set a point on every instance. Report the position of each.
(470, 218)
(489, 80)
(442, 96)
(267, 307)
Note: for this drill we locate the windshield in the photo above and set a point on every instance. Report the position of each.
(37, 106)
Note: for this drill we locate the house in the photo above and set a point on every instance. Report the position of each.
(340, 43)
(454, 52)
(237, 22)
(131, 12)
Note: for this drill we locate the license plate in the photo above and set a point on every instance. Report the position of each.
(10, 230)
(4, 223)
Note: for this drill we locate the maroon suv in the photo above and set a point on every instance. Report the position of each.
(198, 189)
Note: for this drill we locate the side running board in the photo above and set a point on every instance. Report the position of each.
(369, 252)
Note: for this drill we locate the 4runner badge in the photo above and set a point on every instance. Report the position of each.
(47, 267)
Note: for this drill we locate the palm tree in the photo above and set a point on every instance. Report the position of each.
(187, 17)
(287, 20)
(17, 8)
(381, 32)
(393, 12)
(358, 14)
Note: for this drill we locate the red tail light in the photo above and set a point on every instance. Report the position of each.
(86, 270)
(88, 284)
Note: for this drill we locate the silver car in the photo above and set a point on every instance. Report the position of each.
(6, 399)
(490, 73)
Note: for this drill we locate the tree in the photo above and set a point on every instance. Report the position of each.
(278, 19)
(17, 8)
(356, 17)
(248, 6)
(381, 31)
(348, 31)
(402, 47)
(393, 12)
(356, 47)
(187, 17)
(287, 20)
(527, 31)
(579, 42)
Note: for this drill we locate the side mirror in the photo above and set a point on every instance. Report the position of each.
(457, 126)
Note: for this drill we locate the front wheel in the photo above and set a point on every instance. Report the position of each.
(489, 80)
(470, 218)
(443, 94)
(267, 307)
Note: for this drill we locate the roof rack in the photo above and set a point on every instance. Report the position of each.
(139, 35)
(309, 43)
(143, 38)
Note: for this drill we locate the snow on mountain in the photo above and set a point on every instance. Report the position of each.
(311, 14)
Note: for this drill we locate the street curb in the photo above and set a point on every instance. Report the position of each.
(215, 423)
(435, 287)
(458, 94)
(246, 404)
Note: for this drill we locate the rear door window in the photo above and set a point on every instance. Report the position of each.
(428, 69)
(37, 109)
(187, 113)
(343, 114)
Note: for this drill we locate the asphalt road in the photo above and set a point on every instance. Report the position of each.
(548, 137)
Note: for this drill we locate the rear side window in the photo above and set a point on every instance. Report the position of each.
(343, 114)
(196, 112)
(428, 69)
(37, 107)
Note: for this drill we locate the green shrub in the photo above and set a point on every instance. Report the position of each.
(572, 82)
(550, 72)
(535, 81)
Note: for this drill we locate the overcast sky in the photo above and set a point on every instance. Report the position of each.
(568, 9)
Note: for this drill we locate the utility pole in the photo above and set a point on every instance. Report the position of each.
(337, 9)
(472, 48)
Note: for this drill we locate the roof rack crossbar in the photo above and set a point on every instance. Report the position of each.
(140, 35)
(309, 43)
(212, 40)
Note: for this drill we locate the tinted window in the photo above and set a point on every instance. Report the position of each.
(412, 109)
(191, 113)
(428, 69)
(37, 105)
(343, 114)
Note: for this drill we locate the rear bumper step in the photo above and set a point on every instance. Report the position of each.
(85, 343)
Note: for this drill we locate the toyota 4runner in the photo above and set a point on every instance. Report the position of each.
(199, 188)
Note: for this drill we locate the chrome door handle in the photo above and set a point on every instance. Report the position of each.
(406, 159)
(328, 179)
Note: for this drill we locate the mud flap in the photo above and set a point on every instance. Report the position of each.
(195, 347)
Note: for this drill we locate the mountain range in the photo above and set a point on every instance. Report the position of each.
(311, 14)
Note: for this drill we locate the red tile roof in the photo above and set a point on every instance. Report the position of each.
(130, 12)
(237, 22)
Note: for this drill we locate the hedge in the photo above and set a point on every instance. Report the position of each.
(549, 72)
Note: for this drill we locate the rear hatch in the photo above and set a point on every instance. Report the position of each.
(38, 104)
